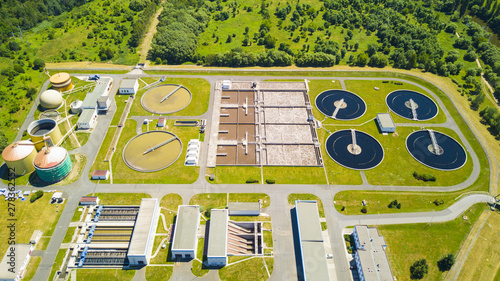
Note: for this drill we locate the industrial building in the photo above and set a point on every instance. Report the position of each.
(217, 238)
(232, 238)
(95, 102)
(16, 270)
(385, 123)
(52, 164)
(61, 82)
(371, 258)
(19, 157)
(116, 236)
(100, 175)
(128, 87)
(89, 200)
(51, 99)
(193, 153)
(39, 130)
(244, 208)
(312, 249)
(141, 244)
(185, 241)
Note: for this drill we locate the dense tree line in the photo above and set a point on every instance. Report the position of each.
(140, 27)
(237, 58)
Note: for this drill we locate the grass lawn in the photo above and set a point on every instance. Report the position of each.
(104, 274)
(120, 101)
(379, 200)
(42, 243)
(169, 204)
(57, 263)
(268, 239)
(232, 259)
(197, 268)
(77, 215)
(200, 95)
(252, 269)
(233, 174)
(163, 256)
(295, 175)
(483, 261)
(69, 235)
(209, 201)
(250, 218)
(158, 273)
(408, 243)
(99, 163)
(304, 196)
(177, 173)
(31, 268)
(28, 218)
(250, 197)
(120, 198)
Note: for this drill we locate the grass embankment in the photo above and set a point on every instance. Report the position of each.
(120, 198)
(251, 269)
(408, 243)
(104, 274)
(31, 268)
(177, 173)
(69, 234)
(57, 263)
(24, 213)
(200, 95)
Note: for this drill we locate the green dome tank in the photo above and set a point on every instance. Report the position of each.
(52, 164)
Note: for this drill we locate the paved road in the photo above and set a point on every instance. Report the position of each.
(279, 210)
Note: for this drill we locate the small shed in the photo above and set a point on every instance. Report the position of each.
(161, 122)
(128, 87)
(100, 175)
(385, 123)
(244, 208)
(89, 200)
(226, 84)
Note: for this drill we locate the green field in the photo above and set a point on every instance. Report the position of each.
(408, 243)
(57, 263)
(168, 204)
(120, 198)
(69, 234)
(158, 273)
(198, 268)
(219, 200)
(295, 175)
(233, 174)
(105, 274)
(200, 95)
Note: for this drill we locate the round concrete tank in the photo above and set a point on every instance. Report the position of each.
(76, 107)
(51, 99)
(19, 156)
(52, 164)
(38, 129)
(61, 82)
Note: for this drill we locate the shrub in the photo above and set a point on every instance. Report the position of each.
(342, 209)
(36, 196)
(364, 210)
(419, 269)
(268, 181)
(424, 177)
(394, 204)
(446, 262)
(252, 180)
(438, 202)
(38, 64)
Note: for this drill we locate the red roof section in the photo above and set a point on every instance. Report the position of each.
(100, 173)
(88, 199)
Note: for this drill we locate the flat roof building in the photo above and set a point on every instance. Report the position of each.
(312, 249)
(217, 237)
(141, 243)
(385, 123)
(21, 253)
(89, 200)
(100, 175)
(185, 241)
(87, 119)
(128, 86)
(371, 258)
(244, 208)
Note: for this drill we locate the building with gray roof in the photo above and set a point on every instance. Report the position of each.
(185, 241)
(217, 237)
(371, 259)
(385, 123)
(312, 249)
(90, 103)
(244, 208)
(143, 235)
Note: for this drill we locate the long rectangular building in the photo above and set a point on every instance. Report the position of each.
(312, 249)
(185, 241)
(141, 243)
(371, 259)
(217, 238)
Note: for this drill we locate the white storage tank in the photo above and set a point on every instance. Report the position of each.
(76, 107)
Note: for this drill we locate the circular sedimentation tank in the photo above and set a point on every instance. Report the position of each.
(19, 156)
(447, 155)
(402, 101)
(39, 129)
(52, 164)
(152, 151)
(51, 99)
(366, 154)
(350, 106)
(61, 81)
(166, 99)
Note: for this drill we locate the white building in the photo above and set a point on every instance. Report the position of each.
(193, 153)
(371, 258)
(13, 265)
(128, 87)
(141, 243)
(217, 238)
(185, 241)
(244, 208)
(87, 120)
(226, 84)
(385, 123)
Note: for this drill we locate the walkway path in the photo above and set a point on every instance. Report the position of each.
(148, 38)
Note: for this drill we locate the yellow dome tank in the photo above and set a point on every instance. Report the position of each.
(19, 156)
